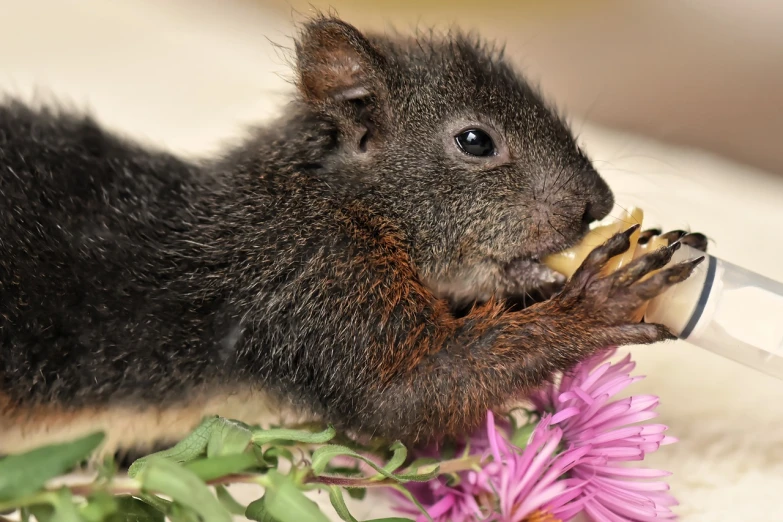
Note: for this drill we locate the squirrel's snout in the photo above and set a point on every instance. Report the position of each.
(580, 197)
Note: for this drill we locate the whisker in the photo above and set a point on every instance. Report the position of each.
(557, 230)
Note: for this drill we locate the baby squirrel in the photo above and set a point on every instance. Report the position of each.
(320, 262)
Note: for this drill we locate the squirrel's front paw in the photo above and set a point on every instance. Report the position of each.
(605, 306)
(695, 240)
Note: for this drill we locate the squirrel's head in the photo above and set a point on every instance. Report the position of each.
(485, 176)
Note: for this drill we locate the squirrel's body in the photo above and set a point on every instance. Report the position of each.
(318, 261)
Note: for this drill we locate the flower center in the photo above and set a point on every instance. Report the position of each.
(541, 516)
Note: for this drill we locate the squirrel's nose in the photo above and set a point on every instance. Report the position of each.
(593, 213)
(600, 201)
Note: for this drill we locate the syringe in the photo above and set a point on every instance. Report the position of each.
(721, 307)
(727, 310)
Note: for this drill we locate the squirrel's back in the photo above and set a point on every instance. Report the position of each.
(125, 274)
(84, 218)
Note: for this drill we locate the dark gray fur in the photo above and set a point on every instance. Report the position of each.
(130, 276)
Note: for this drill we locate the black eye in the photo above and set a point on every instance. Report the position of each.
(476, 143)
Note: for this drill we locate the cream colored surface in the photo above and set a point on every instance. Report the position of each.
(187, 74)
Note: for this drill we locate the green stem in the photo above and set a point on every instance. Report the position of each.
(128, 486)
(447, 466)
(453, 465)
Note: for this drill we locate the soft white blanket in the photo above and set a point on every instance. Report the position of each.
(188, 77)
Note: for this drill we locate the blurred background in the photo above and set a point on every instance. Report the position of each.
(680, 103)
(707, 73)
(699, 72)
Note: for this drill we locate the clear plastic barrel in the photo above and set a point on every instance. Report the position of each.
(727, 310)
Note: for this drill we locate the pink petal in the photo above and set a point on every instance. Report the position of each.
(538, 500)
(619, 452)
(583, 395)
(442, 506)
(666, 500)
(493, 437)
(539, 461)
(613, 387)
(637, 513)
(651, 429)
(568, 512)
(595, 375)
(565, 414)
(598, 513)
(619, 492)
(609, 412)
(632, 485)
(563, 463)
(630, 472)
(644, 402)
(618, 434)
(574, 491)
(621, 420)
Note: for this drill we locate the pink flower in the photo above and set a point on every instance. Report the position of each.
(512, 485)
(582, 406)
(575, 461)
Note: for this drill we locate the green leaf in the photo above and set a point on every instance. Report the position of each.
(323, 455)
(453, 479)
(521, 436)
(421, 462)
(216, 467)
(272, 455)
(417, 477)
(343, 470)
(356, 493)
(99, 506)
(42, 512)
(64, 508)
(190, 448)
(391, 519)
(399, 456)
(26, 473)
(228, 438)
(414, 473)
(106, 469)
(262, 436)
(338, 503)
(256, 510)
(286, 503)
(184, 487)
(413, 499)
(155, 502)
(225, 498)
(180, 513)
(130, 509)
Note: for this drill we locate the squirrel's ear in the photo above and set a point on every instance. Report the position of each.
(336, 62)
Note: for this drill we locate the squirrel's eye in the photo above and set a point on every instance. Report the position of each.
(476, 143)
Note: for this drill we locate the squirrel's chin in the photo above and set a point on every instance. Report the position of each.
(531, 282)
(523, 279)
(530, 272)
